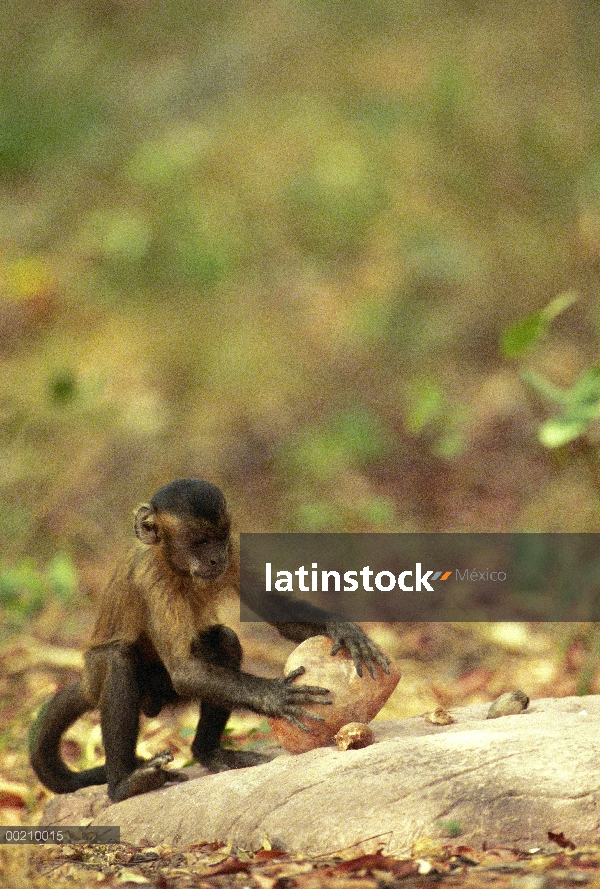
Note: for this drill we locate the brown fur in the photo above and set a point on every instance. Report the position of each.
(148, 603)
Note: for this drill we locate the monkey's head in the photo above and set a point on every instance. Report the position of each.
(188, 519)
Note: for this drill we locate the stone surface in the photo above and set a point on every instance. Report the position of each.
(355, 698)
(503, 781)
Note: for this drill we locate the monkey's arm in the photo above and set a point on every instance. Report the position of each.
(298, 620)
(301, 620)
(197, 678)
(210, 683)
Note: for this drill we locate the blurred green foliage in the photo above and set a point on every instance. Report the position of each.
(354, 437)
(312, 464)
(25, 589)
(333, 203)
(579, 405)
(525, 333)
(277, 245)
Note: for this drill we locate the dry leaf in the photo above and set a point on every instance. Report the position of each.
(560, 840)
(12, 794)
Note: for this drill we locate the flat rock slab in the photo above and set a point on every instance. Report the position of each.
(504, 781)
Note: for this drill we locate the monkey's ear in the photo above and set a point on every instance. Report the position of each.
(145, 524)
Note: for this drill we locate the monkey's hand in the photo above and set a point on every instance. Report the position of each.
(149, 775)
(362, 650)
(284, 700)
(154, 765)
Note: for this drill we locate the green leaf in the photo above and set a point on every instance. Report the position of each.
(360, 433)
(560, 431)
(450, 828)
(544, 388)
(521, 336)
(22, 588)
(586, 391)
(524, 334)
(581, 409)
(560, 304)
(427, 402)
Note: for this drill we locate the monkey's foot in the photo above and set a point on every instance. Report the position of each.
(221, 760)
(148, 776)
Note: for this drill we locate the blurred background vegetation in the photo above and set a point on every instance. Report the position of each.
(308, 249)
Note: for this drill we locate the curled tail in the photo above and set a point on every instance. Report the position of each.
(44, 743)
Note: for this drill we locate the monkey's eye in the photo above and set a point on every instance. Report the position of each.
(200, 541)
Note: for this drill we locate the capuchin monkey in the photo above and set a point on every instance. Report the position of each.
(157, 641)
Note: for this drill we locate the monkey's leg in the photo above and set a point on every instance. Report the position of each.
(219, 645)
(156, 686)
(119, 718)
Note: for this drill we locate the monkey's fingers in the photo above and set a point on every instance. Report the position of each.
(177, 776)
(296, 722)
(294, 674)
(370, 655)
(292, 716)
(365, 655)
(309, 689)
(356, 652)
(382, 659)
(309, 694)
(161, 759)
(374, 657)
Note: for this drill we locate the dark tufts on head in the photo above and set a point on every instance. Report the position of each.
(191, 497)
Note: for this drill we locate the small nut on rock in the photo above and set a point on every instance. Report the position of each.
(354, 736)
(355, 699)
(509, 704)
(439, 716)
